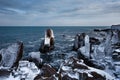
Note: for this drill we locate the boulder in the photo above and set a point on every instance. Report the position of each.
(47, 73)
(9, 57)
(48, 43)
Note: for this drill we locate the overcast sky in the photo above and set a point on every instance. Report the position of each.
(59, 12)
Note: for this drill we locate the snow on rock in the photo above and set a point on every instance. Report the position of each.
(82, 43)
(74, 69)
(87, 46)
(47, 73)
(48, 43)
(11, 55)
(26, 70)
(117, 50)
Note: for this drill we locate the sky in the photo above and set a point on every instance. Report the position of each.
(59, 12)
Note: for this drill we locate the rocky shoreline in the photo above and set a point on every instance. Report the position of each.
(94, 56)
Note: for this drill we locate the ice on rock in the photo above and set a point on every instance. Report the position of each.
(48, 43)
(85, 50)
(11, 55)
(87, 46)
(26, 70)
(78, 70)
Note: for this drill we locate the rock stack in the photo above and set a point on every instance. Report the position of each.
(10, 57)
(48, 43)
(82, 44)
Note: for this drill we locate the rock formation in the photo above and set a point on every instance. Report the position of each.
(47, 73)
(48, 43)
(10, 57)
(82, 43)
(74, 69)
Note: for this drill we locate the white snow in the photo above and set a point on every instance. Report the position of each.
(103, 73)
(66, 68)
(117, 50)
(52, 34)
(85, 50)
(27, 71)
(47, 41)
(87, 46)
(75, 75)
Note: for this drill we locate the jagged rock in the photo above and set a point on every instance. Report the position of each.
(94, 41)
(47, 73)
(82, 43)
(48, 43)
(10, 56)
(69, 71)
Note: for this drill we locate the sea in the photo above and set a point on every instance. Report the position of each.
(31, 36)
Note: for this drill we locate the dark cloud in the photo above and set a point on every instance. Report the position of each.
(48, 12)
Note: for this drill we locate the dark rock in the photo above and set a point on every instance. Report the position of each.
(95, 75)
(116, 56)
(19, 56)
(100, 30)
(66, 77)
(97, 30)
(47, 71)
(94, 41)
(4, 73)
(38, 77)
(116, 45)
(48, 43)
(0, 57)
(79, 66)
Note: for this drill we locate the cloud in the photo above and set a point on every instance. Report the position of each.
(59, 12)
